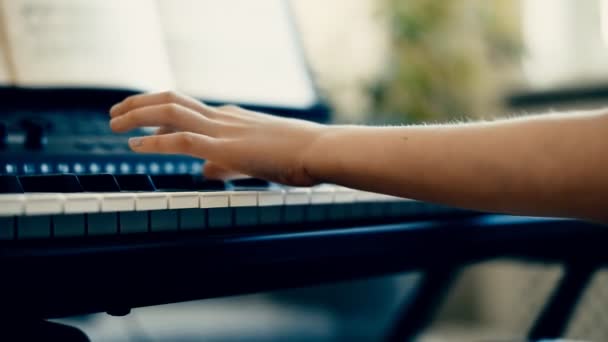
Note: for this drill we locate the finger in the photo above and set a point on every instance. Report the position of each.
(184, 143)
(167, 97)
(213, 170)
(175, 116)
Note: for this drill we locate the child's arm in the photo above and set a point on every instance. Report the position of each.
(554, 165)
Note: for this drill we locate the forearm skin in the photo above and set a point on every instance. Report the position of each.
(551, 165)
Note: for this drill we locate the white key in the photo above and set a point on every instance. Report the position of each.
(183, 200)
(322, 194)
(389, 198)
(113, 202)
(151, 201)
(344, 195)
(12, 204)
(243, 198)
(297, 196)
(364, 196)
(271, 198)
(218, 199)
(81, 203)
(44, 204)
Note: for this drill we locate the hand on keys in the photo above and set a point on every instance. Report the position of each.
(232, 140)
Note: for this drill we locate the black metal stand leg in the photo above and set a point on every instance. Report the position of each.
(418, 313)
(13, 329)
(555, 316)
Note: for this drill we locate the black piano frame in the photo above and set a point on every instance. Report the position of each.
(114, 277)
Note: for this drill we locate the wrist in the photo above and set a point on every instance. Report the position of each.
(321, 160)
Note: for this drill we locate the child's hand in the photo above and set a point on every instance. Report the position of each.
(231, 139)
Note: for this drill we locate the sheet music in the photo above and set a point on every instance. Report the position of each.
(92, 42)
(5, 78)
(5, 70)
(236, 51)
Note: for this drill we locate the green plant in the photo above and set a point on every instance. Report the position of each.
(449, 59)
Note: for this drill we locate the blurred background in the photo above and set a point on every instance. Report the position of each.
(419, 61)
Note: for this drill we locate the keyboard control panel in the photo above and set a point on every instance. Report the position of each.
(78, 142)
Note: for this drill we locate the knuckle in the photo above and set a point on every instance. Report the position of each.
(128, 102)
(185, 141)
(172, 111)
(170, 96)
(131, 101)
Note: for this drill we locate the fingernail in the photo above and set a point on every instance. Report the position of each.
(136, 142)
(114, 108)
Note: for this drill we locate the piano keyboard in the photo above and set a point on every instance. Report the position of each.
(77, 206)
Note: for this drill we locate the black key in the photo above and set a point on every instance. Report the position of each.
(10, 185)
(99, 183)
(173, 182)
(187, 182)
(204, 184)
(135, 182)
(249, 184)
(67, 183)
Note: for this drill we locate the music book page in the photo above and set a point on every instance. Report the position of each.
(5, 76)
(235, 50)
(5, 69)
(106, 43)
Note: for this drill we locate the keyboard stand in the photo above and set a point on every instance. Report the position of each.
(33, 329)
